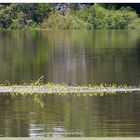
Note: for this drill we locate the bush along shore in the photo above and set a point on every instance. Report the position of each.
(67, 16)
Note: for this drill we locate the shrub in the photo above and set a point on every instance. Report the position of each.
(6, 17)
(101, 18)
(94, 15)
(68, 21)
(135, 24)
(121, 18)
(18, 22)
(30, 26)
(36, 11)
(19, 16)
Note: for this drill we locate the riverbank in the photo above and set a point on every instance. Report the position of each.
(50, 16)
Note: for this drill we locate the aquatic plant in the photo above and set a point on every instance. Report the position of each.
(39, 81)
(37, 86)
(64, 89)
(37, 90)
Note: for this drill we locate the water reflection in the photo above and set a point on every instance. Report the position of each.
(70, 116)
(72, 57)
(78, 57)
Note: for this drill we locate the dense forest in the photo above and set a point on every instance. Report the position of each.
(69, 16)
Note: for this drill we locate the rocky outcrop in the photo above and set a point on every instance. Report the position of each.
(62, 7)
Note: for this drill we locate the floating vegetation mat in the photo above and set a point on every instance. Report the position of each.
(66, 89)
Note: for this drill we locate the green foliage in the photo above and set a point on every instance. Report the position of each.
(39, 81)
(101, 18)
(41, 11)
(68, 21)
(97, 16)
(18, 22)
(36, 11)
(6, 15)
(16, 16)
(135, 24)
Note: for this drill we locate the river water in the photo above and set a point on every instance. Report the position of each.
(71, 57)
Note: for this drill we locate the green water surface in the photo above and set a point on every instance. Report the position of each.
(71, 57)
